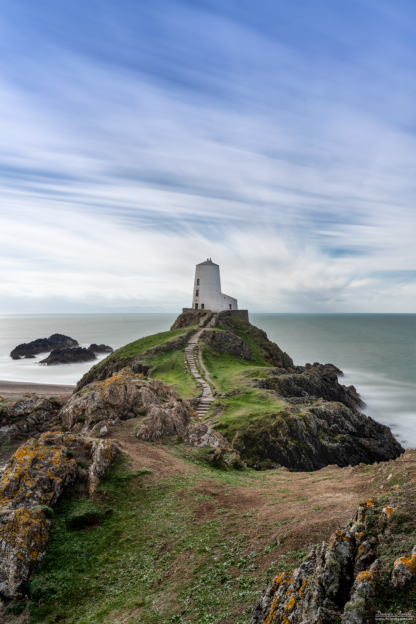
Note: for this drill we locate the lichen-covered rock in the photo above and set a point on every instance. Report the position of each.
(28, 416)
(116, 397)
(403, 570)
(36, 475)
(103, 453)
(362, 597)
(200, 434)
(325, 587)
(23, 542)
(166, 419)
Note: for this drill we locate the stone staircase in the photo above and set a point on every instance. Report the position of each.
(192, 351)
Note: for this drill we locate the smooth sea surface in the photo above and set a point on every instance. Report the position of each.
(377, 352)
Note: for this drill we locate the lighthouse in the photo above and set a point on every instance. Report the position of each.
(207, 293)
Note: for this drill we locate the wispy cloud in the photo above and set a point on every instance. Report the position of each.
(141, 140)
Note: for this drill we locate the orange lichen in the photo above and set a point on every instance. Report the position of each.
(387, 511)
(289, 605)
(366, 575)
(302, 588)
(408, 562)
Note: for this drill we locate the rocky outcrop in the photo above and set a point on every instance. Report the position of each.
(103, 453)
(323, 433)
(28, 417)
(69, 356)
(31, 484)
(42, 345)
(123, 395)
(102, 348)
(163, 420)
(404, 570)
(313, 383)
(332, 584)
(226, 342)
(189, 318)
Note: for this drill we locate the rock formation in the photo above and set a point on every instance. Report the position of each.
(102, 348)
(42, 345)
(30, 486)
(28, 416)
(69, 356)
(335, 583)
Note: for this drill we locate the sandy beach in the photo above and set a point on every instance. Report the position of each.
(13, 389)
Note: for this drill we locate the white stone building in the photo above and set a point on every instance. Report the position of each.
(207, 289)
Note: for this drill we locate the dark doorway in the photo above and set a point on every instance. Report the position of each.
(196, 306)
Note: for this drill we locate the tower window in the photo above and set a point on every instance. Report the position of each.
(197, 293)
(196, 306)
(197, 282)
(202, 306)
(230, 305)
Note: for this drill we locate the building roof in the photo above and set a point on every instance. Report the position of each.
(208, 262)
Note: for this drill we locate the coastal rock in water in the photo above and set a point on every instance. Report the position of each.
(42, 345)
(226, 342)
(117, 397)
(68, 356)
(102, 348)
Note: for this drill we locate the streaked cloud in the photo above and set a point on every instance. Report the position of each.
(137, 142)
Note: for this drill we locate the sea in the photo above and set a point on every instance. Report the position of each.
(376, 352)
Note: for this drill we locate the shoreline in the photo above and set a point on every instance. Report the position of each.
(15, 389)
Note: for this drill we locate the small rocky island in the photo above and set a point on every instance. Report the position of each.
(64, 350)
(42, 345)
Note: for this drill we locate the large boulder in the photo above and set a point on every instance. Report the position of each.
(28, 416)
(123, 395)
(42, 345)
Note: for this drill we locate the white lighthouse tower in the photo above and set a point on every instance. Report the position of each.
(207, 289)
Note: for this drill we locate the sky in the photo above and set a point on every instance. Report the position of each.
(140, 138)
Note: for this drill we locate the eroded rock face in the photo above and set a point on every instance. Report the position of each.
(104, 452)
(170, 419)
(315, 382)
(325, 588)
(30, 484)
(117, 397)
(28, 417)
(68, 356)
(323, 433)
(404, 569)
(226, 342)
(42, 345)
(24, 537)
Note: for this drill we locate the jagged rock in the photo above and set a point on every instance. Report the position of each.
(324, 433)
(103, 453)
(36, 475)
(312, 383)
(322, 590)
(28, 416)
(165, 420)
(30, 484)
(226, 342)
(30, 357)
(23, 541)
(116, 397)
(42, 345)
(102, 348)
(68, 356)
(189, 318)
(201, 435)
(362, 597)
(403, 570)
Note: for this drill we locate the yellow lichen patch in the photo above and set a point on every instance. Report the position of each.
(387, 511)
(289, 605)
(366, 575)
(302, 588)
(408, 562)
(396, 487)
(370, 502)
